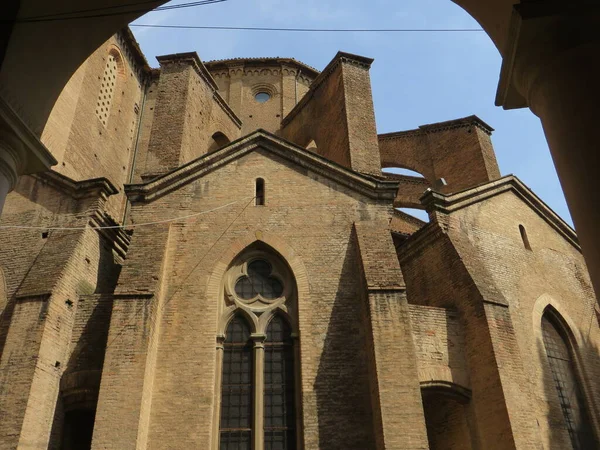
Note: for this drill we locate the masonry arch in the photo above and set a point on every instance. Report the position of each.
(112, 79)
(446, 416)
(257, 293)
(446, 408)
(401, 170)
(217, 140)
(547, 310)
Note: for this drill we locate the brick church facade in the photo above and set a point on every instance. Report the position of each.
(218, 262)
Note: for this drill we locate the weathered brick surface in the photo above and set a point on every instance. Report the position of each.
(341, 98)
(82, 144)
(336, 399)
(440, 345)
(408, 335)
(239, 80)
(460, 151)
(395, 391)
(187, 114)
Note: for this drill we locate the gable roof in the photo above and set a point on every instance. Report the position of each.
(380, 189)
(446, 204)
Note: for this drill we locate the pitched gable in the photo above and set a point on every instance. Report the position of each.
(364, 184)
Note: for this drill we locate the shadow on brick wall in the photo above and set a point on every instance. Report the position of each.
(342, 384)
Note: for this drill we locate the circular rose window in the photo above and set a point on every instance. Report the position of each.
(262, 97)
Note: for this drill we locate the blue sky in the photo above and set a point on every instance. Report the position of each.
(417, 78)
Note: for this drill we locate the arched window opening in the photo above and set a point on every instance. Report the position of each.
(78, 429)
(402, 171)
(280, 411)
(108, 86)
(259, 195)
(565, 381)
(217, 141)
(237, 387)
(258, 392)
(446, 420)
(524, 237)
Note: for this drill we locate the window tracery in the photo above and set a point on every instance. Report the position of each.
(260, 298)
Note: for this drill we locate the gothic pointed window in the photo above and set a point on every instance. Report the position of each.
(567, 387)
(258, 405)
(236, 389)
(280, 412)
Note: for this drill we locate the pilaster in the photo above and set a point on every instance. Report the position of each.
(398, 416)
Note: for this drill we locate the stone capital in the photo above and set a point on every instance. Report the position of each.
(542, 35)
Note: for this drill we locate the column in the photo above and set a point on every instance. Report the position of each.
(551, 65)
(218, 382)
(259, 390)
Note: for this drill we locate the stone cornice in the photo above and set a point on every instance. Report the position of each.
(193, 60)
(369, 186)
(464, 122)
(340, 57)
(101, 187)
(446, 204)
(407, 179)
(225, 64)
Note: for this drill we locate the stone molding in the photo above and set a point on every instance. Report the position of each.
(225, 64)
(407, 179)
(446, 204)
(465, 122)
(369, 186)
(99, 220)
(118, 237)
(101, 187)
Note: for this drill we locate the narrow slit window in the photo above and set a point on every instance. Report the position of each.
(260, 192)
(524, 237)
